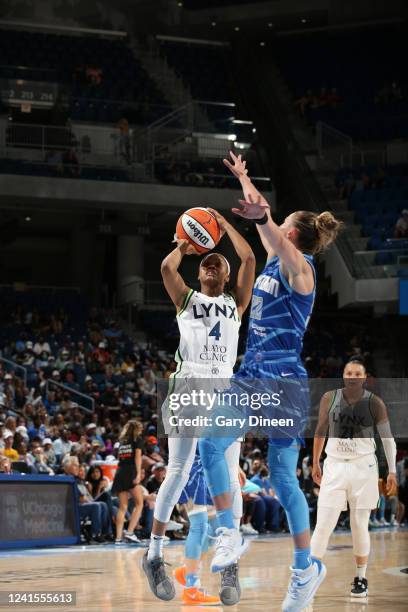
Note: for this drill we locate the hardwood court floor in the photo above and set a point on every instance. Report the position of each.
(108, 579)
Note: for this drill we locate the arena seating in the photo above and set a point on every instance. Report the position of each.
(202, 67)
(124, 87)
(357, 65)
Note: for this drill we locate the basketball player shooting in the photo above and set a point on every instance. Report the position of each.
(203, 323)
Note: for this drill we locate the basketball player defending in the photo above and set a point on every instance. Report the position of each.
(282, 303)
(350, 472)
(209, 322)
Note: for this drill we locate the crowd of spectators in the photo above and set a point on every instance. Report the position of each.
(48, 427)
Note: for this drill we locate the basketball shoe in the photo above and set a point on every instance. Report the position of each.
(230, 591)
(160, 584)
(194, 596)
(303, 586)
(359, 587)
(230, 545)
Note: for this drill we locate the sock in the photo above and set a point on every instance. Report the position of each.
(361, 570)
(192, 580)
(155, 547)
(225, 518)
(302, 558)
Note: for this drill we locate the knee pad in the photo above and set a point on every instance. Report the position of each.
(359, 531)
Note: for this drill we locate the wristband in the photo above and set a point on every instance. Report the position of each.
(262, 220)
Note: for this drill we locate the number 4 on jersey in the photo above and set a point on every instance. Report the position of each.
(216, 331)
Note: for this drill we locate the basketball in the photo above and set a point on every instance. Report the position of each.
(200, 228)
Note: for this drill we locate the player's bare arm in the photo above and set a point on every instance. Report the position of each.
(172, 279)
(293, 264)
(246, 273)
(240, 171)
(320, 436)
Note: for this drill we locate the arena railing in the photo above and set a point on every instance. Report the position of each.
(339, 149)
(15, 367)
(77, 396)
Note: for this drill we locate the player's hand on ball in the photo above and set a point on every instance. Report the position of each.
(238, 168)
(222, 222)
(391, 485)
(189, 248)
(251, 209)
(317, 474)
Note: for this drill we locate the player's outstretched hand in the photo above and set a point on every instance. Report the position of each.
(222, 222)
(251, 209)
(238, 168)
(317, 474)
(189, 248)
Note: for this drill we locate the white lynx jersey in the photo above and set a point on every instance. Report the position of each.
(209, 328)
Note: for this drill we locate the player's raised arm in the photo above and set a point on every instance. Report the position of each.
(173, 281)
(246, 272)
(320, 435)
(255, 207)
(239, 169)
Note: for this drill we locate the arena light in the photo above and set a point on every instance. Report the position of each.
(270, 25)
(254, 130)
(213, 23)
(232, 137)
(236, 28)
(262, 44)
(27, 218)
(304, 20)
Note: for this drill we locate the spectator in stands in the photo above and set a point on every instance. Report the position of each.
(151, 455)
(5, 465)
(96, 511)
(41, 346)
(9, 451)
(124, 139)
(157, 477)
(39, 462)
(401, 227)
(98, 486)
(63, 444)
(49, 452)
(269, 519)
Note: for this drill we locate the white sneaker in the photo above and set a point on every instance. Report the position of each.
(384, 523)
(247, 529)
(131, 537)
(394, 522)
(230, 545)
(174, 526)
(303, 586)
(376, 523)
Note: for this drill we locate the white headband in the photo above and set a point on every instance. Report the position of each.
(219, 255)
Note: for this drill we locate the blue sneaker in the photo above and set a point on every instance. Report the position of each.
(303, 586)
